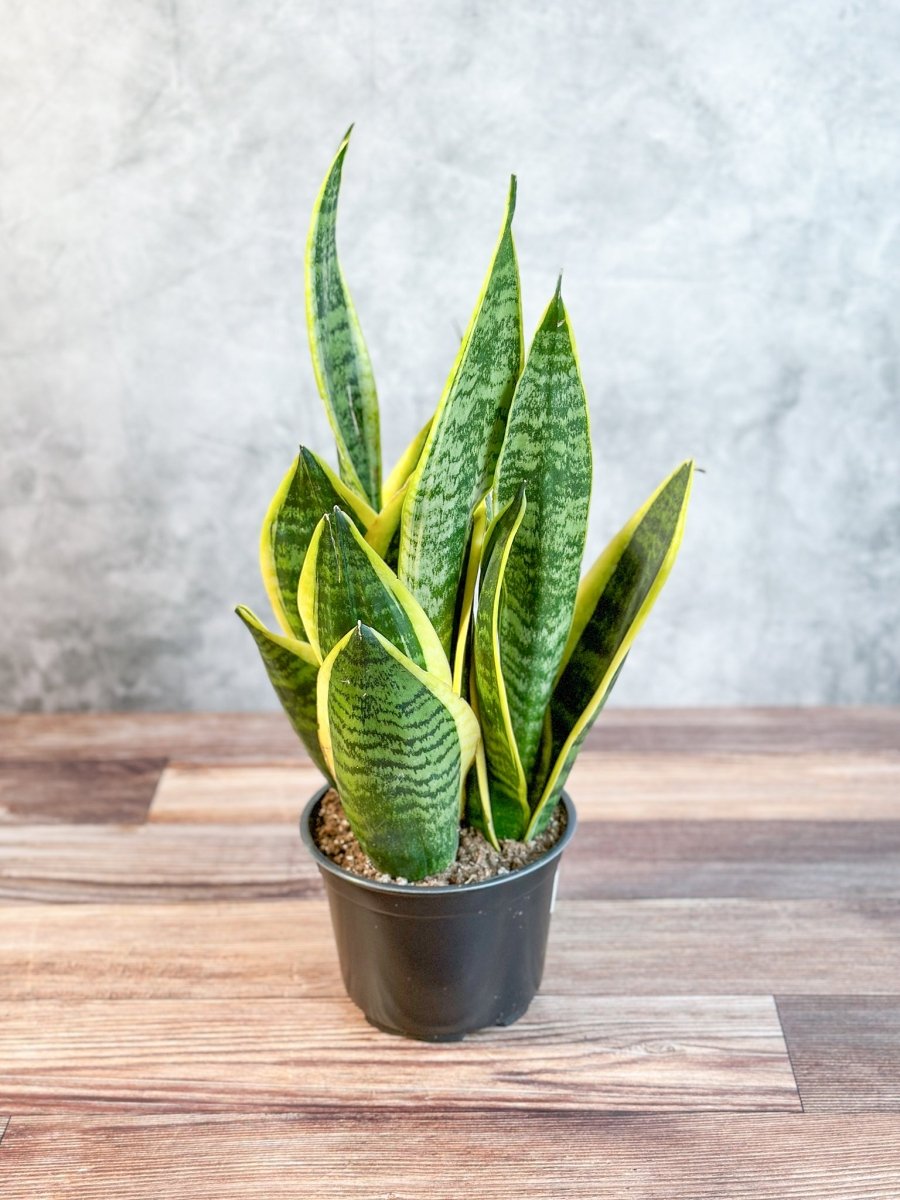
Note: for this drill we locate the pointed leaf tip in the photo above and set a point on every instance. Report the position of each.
(511, 201)
(555, 316)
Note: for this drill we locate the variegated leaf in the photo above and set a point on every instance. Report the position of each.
(548, 447)
(309, 490)
(340, 358)
(343, 581)
(457, 463)
(507, 780)
(292, 668)
(401, 744)
(613, 602)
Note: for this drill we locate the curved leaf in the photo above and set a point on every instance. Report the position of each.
(613, 602)
(457, 464)
(508, 784)
(309, 490)
(547, 446)
(383, 535)
(340, 358)
(401, 744)
(467, 599)
(292, 668)
(343, 581)
(407, 462)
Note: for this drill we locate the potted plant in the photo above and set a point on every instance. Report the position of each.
(439, 655)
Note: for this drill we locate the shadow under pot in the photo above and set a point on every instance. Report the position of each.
(436, 963)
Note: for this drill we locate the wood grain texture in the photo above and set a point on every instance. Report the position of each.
(152, 862)
(623, 1054)
(200, 794)
(403, 1156)
(761, 859)
(78, 791)
(706, 786)
(285, 949)
(267, 737)
(845, 1051)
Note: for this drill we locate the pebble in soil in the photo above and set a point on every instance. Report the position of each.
(476, 860)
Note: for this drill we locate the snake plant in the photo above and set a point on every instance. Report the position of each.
(439, 655)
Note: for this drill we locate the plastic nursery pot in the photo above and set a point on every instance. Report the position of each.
(436, 963)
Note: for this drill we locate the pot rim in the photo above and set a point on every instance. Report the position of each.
(406, 889)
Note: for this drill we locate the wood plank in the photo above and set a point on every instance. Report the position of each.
(845, 1051)
(623, 1054)
(153, 862)
(403, 1156)
(173, 859)
(764, 859)
(606, 787)
(285, 949)
(195, 793)
(78, 791)
(267, 737)
(643, 786)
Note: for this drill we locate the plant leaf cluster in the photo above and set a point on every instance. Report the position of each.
(439, 654)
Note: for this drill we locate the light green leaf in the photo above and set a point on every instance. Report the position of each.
(401, 744)
(548, 447)
(343, 581)
(340, 358)
(292, 668)
(457, 464)
(613, 602)
(406, 463)
(467, 599)
(507, 781)
(383, 535)
(309, 490)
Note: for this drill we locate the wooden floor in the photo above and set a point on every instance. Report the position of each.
(720, 1014)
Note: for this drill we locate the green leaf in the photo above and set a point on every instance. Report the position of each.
(343, 581)
(547, 446)
(457, 464)
(401, 743)
(309, 490)
(292, 668)
(507, 780)
(467, 599)
(406, 463)
(340, 358)
(614, 600)
(383, 535)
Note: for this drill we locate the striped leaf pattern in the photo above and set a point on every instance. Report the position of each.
(343, 581)
(613, 603)
(292, 668)
(508, 784)
(547, 446)
(340, 358)
(401, 744)
(457, 464)
(309, 490)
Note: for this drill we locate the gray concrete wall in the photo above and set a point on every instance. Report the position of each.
(720, 180)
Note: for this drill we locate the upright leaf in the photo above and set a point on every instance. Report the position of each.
(407, 462)
(340, 358)
(548, 447)
(457, 464)
(507, 781)
(309, 490)
(383, 535)
(401, 743)
(343, 581)
(292, 668)
(467, 599)
(613, 602)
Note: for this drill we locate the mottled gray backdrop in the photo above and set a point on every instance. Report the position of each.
(720, 180)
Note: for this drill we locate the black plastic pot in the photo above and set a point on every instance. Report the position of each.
(438, 963)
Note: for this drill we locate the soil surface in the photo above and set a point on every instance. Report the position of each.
(476, 860)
